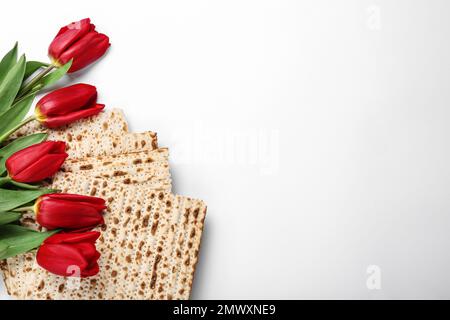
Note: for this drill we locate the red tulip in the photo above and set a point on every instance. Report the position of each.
(66, 105)
(36, 162)
(65, 254)
(69, 211)
(78, 41)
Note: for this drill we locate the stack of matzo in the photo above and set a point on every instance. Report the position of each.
(151, 238)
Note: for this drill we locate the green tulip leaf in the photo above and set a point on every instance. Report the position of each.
(8, 61)
(11, 199)
(34, 90)
(22, 142)
(55, 75)
(13, 116)
(11, 84)
(17, 145)
(8, 217)
(33, 66)
(3, 248)
(15, 240)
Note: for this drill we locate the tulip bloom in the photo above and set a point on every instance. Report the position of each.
(70, 254)
(78, 41)
(69, 211)
(36, 162)
(66, 105)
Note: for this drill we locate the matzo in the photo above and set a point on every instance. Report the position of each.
(147, 168)
(149, 246)
(83, 139)
(110, 144)
(103, 134)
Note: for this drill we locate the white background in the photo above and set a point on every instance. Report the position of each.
(316, 131)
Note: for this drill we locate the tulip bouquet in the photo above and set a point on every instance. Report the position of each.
(25, 162)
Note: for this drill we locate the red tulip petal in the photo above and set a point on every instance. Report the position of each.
(60, 259)
(96, 206)
(88, 250)
(58, 121)
(92, 269)
(41, 169)
(74, 197)
(67, 36)
(87, 50)
(58, 147)
(25, 158)
(66, 100)
(91, 236)
(56, 220)
(53, 214)
(82, 21)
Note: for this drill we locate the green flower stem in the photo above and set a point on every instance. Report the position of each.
(4, 180)
(27, 87)
(24, 185)
(18, 100)
(24, 209)
(7, 179)
(8, 133)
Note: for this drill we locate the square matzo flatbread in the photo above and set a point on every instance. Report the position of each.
(96, 136)
(109, 123)
(103, 134)
(149, 169)
(149, 245)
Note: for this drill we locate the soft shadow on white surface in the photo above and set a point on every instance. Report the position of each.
(201, 272)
